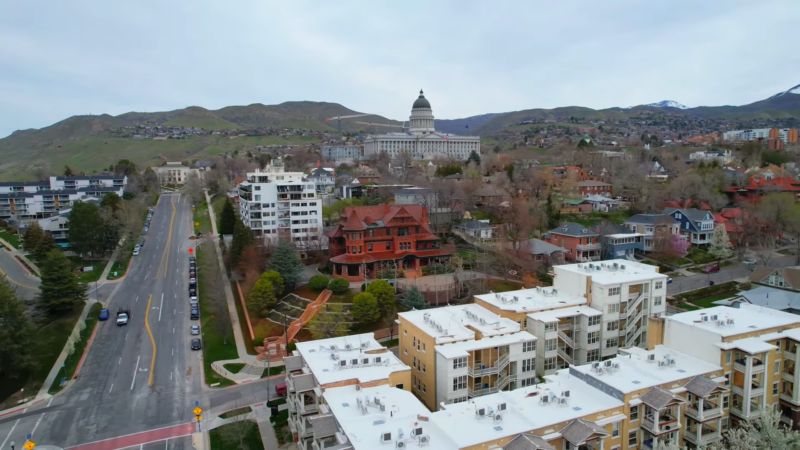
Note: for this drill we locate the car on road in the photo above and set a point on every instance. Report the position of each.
(136, 250)
(711, 268)
(196, 344)
(749, 262)
(103, 314)
(194, 315)
(280, 389)
(194, 330)
(669, 280)
(192, 280)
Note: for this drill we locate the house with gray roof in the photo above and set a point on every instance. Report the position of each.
(787, 278)
(478, 229)
(767, 297)
(649, 224)
(696, 224)
(580, 243)
(324, 179)
(539, 250)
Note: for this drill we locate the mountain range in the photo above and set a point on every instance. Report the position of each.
(85, 142)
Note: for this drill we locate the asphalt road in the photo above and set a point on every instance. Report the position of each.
(732, 272)
(27, 285)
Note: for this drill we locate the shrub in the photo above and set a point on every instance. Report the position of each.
(258, 342)
(291, 347)
(339, 285)
(264, 313)
(318, 282)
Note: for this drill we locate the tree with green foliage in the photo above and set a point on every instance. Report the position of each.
(446, 170)
(277, 281)
(68, 171)
(227, 219)
(262, 297)
(111, 201)
(584, 143)
(365, 308)
(318, 282)
(47, 245)
(383, 291)
(60, 289)
(766, 432)
(85, 232)
(242, 238)
(125, 167)
(375, 199)
(510, 172)
(339, 286)
(286, 262)
(150, 181)
(552, 213)
(33, 237)
(474, 157)
(720, 246)
(18, 339)
(330, 321)
(412, 299)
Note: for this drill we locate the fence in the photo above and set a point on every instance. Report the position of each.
(434, 294)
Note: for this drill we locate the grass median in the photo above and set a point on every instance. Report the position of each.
(202, 221)
(72, 361)
(215, 345)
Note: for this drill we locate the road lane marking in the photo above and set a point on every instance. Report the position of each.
(35, 426)
(165, 256)
(161, 308)
(173, 352)
(3, 445)
(152, 339)
(145, 277)
(135, 370)
(112, 387)
(126, 336)
(120, 360)
(173, 330)
(137, 298)
(51, 401)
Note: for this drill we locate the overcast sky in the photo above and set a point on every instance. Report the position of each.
(62, 58)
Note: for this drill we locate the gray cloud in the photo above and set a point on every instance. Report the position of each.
(471, 57)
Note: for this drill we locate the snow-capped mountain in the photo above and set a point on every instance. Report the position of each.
(667, 104)
(794, 90)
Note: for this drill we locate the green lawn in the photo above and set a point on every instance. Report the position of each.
(71, 364)
(708, 302)
(252, 440)
(218, 203)
(391, 343)
(273, 371)
(123, 260)
(12, 239)
(503, 285)
(214, 346)
(236, 412)
(201, 217)
(52, 338)
(234, 367)
(281, 425)
(91, 276)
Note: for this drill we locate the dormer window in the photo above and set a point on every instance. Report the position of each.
(584, 231)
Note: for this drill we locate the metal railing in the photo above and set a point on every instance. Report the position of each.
(568, 340)
(565, 356)
(481, 369)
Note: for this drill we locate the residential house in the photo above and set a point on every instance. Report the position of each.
(619, 242)
(761, 186)
(324, 179)
(732, 226)
(541, 251)
(592, 187)
(602, 203)
(723, 157)
(579, 242)
(649, 224)
(349, 187)
(489, 195)
(571, 205)
(417, 196)
(787, 278)
(477, 229)
(697, 225)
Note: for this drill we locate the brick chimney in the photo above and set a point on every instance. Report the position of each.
(424, 215)
(385, 209)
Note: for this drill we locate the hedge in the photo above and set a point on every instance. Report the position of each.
(722, 288)
(318, 282)
(339, 286)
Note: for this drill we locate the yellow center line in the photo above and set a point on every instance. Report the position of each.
(165, 257)
(152, 339)
(18, 284)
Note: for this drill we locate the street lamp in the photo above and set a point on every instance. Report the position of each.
(12, 445)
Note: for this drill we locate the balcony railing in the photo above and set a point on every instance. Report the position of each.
(565, 356)
(666, 422)
(708, 435)
(710, 411)
(568, 340)
(481, 369)
(740, 365)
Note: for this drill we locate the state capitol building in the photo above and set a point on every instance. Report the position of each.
(422, 141)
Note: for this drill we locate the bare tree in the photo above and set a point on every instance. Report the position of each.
(194, 187)
(234, 433)
(214, 293)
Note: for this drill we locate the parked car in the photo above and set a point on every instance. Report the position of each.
(194, 315)
(136, 250)
(192, 258)
(194, 330)
(669, 280)
(192, 281)
(196, 344)
(749, 262)
(103, 314)
(711, 268)
(280, 389)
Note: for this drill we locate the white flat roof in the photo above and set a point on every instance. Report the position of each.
(461, 348)
(532, 300)
(746, 318)
(633, 271)
(365, 423)
(454, 320)
(750, 345)
(554, 315)
(523, 410)
(325, 361)
(637, 372)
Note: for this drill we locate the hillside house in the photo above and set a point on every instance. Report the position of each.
(579, 242)
(696, 224)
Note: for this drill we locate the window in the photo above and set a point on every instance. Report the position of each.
(659, 284)
(550, 345)
(615, 430)
(528, 365)
(388, 246)
(529, 346)
(423, 347)
(613, 308)
(550, 363)
(775, 388)
(551, 327)
(405, 332)
(657, 300)
(593, 355)
(611, 343)
(460, 400)
(728, 358)
(613, 291)
(632, 436)
(369, 247)
(415, 362)
(778, 344)
(527, 382)
(727, 379)
(613, 325)
(724, 424)
(634, 413)
(777, 366)
(460, 363)
(593, 337)
(726, 399)
(594, 320)
(423, 368)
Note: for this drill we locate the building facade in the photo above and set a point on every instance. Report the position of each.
(422, 141)
(276, 204)
(579, 243)
(786, 135)
(650, 226)
(696, 224)
(175, 173)
(341, 152)
(324, 179)
(372, 239)
(27, 201)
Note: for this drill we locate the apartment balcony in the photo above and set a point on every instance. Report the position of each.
(707, 436)
(791, 356)
(755, 411)
(305, 429)
(477, 370)
(565, 356)
(568, 340)
(485, 389)
(666, 423)
(740, 365)
(787, 397)
(710, 411)
(587, 247)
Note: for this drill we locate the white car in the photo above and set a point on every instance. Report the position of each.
(136, 250)
(749, 262)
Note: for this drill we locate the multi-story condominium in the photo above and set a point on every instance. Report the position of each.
(755, 346)
(277, 204)
(569, 336)
(696, 224)
(26, 201)
(371, 239)
(357, 361)
(461, 352)
(787, 135)
(341, 152)
(650, 224)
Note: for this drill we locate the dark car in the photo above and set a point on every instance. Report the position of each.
(192, 259)
(194, 315)
(103, 314)
(192, 281)
(196, 344)
(193, 289)
(711, 268)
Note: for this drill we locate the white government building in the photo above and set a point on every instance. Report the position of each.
(422, 141)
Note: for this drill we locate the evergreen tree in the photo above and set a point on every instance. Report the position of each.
(227, 220)
(85, 232)
(286, 262)
(365, 308)
(330, 321)
(552, 212)
(125, 167)
(60, 289)
(412, 299)
(48, 244)
(68, 171)
(242, 238)
(18, 343)
(275, 278)
(33, 237)
(474, 156)
(720, 246)
(262, 296)
(111, 201)
(383, 292)
(510, 172)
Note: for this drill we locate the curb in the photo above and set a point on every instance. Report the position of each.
(85, 351)
(244, 310)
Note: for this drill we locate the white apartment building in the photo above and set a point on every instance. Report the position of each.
(27, 201)
(625, 293)
(277, 204)
(756, 134)
(357, 361)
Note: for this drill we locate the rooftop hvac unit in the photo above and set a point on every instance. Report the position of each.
(651, 357)
(671, 362)
(444, 331)
(348, 347)
(591, 266)
(383, 407)
(334, 348)
(516, 299)
(343, 363)
(425, 317)
(595, 365)
(580, 266)
(622, 267)
(616, 265)
(358, 388)
(364, 361)
(354, 362)
(729, 321)
(386, 437)
(423, 440)
(543, 400)
(705, 319)
(364, 344)
(714, 317)
(377, 401)
(377, 360)
(480, 412)
(501, 407)
(555, 291)
(662, 364)
(616, 366)
(399, 444)
(498, 417)
(483, 321)
(565, 393)
(721, 323)
(608, 363)
(563, 401)
(416, 432)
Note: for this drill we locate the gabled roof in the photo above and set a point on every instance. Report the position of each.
(527, 441)
(773, 298)
(693, 214)
(579, 431)
(539, 247)
(658, 398)
(702, 386)
(651, 219)
(473, 225)
(573, 229)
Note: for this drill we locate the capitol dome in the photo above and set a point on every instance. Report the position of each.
(421, 102)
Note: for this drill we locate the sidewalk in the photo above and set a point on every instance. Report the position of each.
(14, 252)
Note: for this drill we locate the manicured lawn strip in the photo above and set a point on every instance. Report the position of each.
(88, 277)
(252, 440)
(236, 412)
(708, 302)
(218, 202)
(72, 361)
(281, 422)
(123, 260)
(273, 371)
(234, 367)
(201, 216)
(214, 346)
(503, 285)
(391, 343)
(12, 239)
(248, 343)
